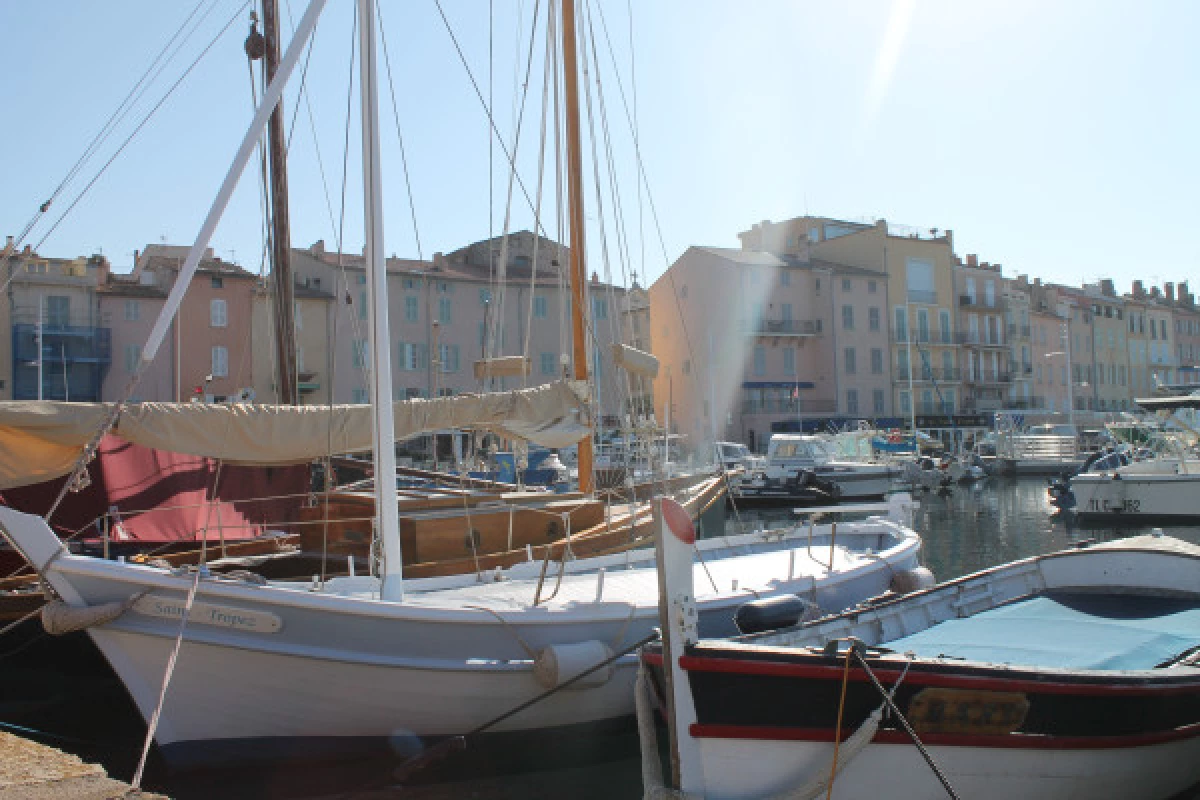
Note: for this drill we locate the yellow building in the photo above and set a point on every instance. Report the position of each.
(920, 297)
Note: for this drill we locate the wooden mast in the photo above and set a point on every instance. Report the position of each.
(575, 215)
(286, 379)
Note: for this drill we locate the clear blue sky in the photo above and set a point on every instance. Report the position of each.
(1057, 138)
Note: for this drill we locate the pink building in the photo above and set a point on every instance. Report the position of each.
(750, 342)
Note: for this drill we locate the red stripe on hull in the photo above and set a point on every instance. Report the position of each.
(833, 672)
(1013, 740)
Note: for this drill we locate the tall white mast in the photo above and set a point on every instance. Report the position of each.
(387, 514)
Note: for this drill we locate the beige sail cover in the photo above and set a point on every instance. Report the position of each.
(40, 440)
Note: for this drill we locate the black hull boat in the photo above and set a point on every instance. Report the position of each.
(1067, 675)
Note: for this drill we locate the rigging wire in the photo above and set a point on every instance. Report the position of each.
(486, 106)
(140, 126)
(498, 317)
(387, 60)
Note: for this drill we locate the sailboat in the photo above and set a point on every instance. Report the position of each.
(299, 667)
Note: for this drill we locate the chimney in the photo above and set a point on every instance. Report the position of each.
(1169, 291)
(1155, 292)
(1107, 288)
(997, 266)
(1139, 290)
(8, 244)
(950, 239)
(972, 260)
(595, 277)
(1183, 296)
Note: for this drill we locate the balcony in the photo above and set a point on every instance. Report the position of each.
(1016, 331)
(984, 378)
(74, 360)
(925, 296)
(944, 336)
(922, 374)
(967, 301)
(980, 339)
(1022, 369)
(781, 327)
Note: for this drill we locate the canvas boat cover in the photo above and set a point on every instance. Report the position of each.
(40, 440)
(1169, 403)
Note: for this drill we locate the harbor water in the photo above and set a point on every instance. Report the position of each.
(61, 692)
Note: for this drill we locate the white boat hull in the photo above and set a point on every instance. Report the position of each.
(740, 768)
(1132, 496)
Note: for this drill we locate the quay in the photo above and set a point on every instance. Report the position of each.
(32, 771)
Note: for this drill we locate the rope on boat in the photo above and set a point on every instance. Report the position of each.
(136, 783)
(59, 619)
(856, 648)
(446, 746)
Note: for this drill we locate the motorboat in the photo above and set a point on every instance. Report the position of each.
(801, 469)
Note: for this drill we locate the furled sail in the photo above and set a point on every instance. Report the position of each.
(40, 440)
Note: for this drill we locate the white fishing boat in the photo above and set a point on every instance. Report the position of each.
(1120, 487)
(226, 669)
(1072, 674)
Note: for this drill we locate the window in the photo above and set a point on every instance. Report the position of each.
(873, 318)
(848, 317)
(217, 315)
(921, 288)
(360, 352)
(411, 355)
(905, 402)
(58, 311)
(852, 401)
(989, 293)
(445, 287)
(876, 361)
(847, 284)
(785, 278)
(133, 355)
(539, 306)
(548, 365)
(818, 285)
(877, 402)
(409, 283)
(444, 310)
(902, 364)
(132, 310)
(220, 362)
(944, 324)
(789, 360)
(599, 308)
(448, 356)
(683, 292)
(970, 290)
(786, 310)
(412, 308)
(361, 396)
(871, 287)
(901, 325)
(485, 296)
(851, 361)
(687, 366)
(362, 304)
(922, 325)
(760, 361)
(218, 282)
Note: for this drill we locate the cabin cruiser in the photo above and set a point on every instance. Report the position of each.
(801, 469)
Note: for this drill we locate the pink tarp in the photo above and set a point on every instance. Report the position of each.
(165, 497)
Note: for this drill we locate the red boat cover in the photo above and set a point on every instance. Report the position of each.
(166, 497)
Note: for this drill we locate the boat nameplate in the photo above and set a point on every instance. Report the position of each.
(967, 711)
(238, 619)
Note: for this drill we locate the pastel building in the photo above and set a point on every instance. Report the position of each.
(752, 343)
(58, 347)
(1187, 336)
(986, 371)
(129, 306)
(448, 312)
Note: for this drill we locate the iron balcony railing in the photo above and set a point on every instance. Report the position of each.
(781, 327)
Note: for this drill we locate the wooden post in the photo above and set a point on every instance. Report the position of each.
(575, 209)
(284, 291)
